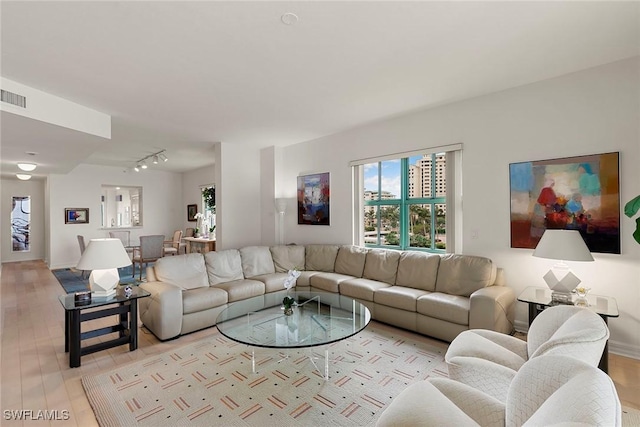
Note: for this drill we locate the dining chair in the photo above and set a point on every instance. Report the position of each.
(189, 232)
(175, 243)
(85, 273)
(150, 250)
(125, 238)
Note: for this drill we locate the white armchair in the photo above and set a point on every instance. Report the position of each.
(489, 360)
(547, 390)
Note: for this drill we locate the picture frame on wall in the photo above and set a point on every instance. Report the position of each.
(314, 199)
(571, 193)
(192, 210)
(76, 215)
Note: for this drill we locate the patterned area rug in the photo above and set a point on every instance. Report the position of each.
(72, 280)
(210, 383)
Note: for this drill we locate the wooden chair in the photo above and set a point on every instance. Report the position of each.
(175, 243)
(189, 232)
(150, 250)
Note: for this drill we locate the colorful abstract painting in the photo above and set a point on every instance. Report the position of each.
(573, 193)
(313, 199)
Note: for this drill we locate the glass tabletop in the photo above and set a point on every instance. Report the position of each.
(317, 319)
(69, 303)
(603, 305)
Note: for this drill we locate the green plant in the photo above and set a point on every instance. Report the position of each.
(288, 302)
(212, 228)
(209, 195)
(630, 209)
(196, 230)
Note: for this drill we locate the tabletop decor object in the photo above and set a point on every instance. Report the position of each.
(287, 302)
(562, 245)
(103, 257)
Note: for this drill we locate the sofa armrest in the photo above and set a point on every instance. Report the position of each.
(161, 312)
(492, 308)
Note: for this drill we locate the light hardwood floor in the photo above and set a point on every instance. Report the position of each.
(35, 371)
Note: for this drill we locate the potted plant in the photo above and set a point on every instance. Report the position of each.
(211, 232)
(630, 209)
(288, 303)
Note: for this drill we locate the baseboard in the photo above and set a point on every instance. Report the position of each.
(615, 347)
(624, 349)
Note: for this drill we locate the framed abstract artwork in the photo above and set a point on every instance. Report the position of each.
(76, 215)
(313, 199)
(20, 223)
(573, 193)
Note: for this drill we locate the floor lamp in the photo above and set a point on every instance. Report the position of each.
(281, 207)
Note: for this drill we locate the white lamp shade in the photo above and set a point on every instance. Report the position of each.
(565, 245)
(102, 254)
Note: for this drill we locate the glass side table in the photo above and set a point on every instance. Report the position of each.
(126, 308)
(540, 299)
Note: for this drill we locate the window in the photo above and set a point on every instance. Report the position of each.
(403, 201)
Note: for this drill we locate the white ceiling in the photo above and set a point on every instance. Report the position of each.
(183, 75)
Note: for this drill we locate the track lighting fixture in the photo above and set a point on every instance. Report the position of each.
(153, 158)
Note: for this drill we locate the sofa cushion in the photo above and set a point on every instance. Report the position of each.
(464, 274)
(184, 271)
(350, 260)
(272, 282)
(328, 281)
(451, 308)
(287, 258)
(399, 297)
(305, 276)
(418, 270)
(223, 266)
(381, 265)
(362, 289)
(203, 299)
(321, 257)
(256, 260)
(242, 289)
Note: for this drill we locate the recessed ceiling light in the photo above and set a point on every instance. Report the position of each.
(23, 176)
(27, 166)
(289, 18)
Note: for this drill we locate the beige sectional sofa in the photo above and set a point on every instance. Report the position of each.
(436, 295)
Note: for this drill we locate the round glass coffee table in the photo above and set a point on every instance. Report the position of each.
(318, 319)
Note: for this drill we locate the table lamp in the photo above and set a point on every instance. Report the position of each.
(562, 245)
(103, 257)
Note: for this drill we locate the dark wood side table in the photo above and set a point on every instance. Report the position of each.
(540, 299)
(125, 307)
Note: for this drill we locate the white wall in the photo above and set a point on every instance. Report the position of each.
(162, 208)
(35, 189)
(593, 111)
(191, 183)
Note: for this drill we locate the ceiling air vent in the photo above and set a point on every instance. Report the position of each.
(14, 98)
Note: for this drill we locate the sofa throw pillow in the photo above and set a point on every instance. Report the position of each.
(223, 266)
(185, 271)
(321, 257)
(350, 260)
(418, 270)
(287, 257)
(464, 274)
(381, 265)
(256, 260)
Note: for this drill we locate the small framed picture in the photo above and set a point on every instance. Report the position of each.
(192, 210)
(76, 215)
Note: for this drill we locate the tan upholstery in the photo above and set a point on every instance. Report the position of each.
(272, 282)
(321, 257)
(256, 260)
(361, 288)
(418, 270)
(287, 258)
(350, 260)
(452, 308)
(381, 265)
(242, 289)
(186, 271)
(464, 274)
(223, 266)
(150, 250)
(329, 282)
(174, 248)
(200, 299)
(399, 297)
